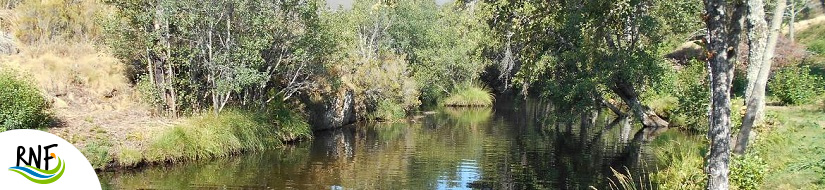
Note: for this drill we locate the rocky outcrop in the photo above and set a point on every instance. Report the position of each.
(7, 44)
(332, 111)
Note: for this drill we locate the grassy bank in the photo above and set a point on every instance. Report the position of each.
(788, 153)
(207, 136)
(469, 95)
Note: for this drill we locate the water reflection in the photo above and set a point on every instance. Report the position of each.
(518, 146)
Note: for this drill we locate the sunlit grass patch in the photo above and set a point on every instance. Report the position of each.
(227, 133)
(795, 149)
(470, 95)
(680, 161)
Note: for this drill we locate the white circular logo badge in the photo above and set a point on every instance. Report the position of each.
(32, 159)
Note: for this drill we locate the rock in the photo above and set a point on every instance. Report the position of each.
(7, 44)
(335, 110)
(59, 103)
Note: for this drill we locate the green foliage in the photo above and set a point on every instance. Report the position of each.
(128, 156)
(148, 92)
(214, 53)
(444, 44)
(692, 92)
(387, 111)
(575, 52)
(22, 105)
(795, 85)
(682, 97)
(470, 94)
(747, 171)
(626, 181)
(817, 46)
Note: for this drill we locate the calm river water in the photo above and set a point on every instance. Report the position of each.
(509, 147)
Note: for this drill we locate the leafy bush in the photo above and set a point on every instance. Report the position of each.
(22, 106)
(747, 171)
(795, 85)
(691, 91)
(388, 111)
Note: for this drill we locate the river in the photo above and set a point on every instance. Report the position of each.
(505, 147)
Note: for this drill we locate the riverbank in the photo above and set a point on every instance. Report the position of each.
(209, 135)
(93, 106)
(788, 153)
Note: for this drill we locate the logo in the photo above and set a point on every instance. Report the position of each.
(35, 173)
(33, 159)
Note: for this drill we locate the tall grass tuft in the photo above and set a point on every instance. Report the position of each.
(626, 181)
(679, 158)
(471, 94)
(227, 133)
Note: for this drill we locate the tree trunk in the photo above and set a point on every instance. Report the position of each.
(791, 22)
(757, 40)
(721, 72)
(756, 102)
(627, 92)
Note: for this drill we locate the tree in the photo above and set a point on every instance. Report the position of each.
(577, 53)
(762, 45)
(201, 54)
(722, 40)
(797, 6)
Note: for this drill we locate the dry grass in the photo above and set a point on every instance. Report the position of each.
(804, 24)
(90, 96)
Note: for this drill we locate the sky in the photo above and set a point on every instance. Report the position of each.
(347, 4)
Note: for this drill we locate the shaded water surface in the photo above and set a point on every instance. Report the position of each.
(512, 147)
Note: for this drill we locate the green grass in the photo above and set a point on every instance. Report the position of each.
(97, 151)
(814, 38)
(788, 153)
(469, 95)
(210, 135)
(679, 160)
(794, 149)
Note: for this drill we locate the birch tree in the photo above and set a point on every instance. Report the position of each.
(722, 39)
(762, 45)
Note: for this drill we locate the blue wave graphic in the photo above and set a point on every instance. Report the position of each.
(31, 172)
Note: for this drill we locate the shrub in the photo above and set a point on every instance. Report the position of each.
(692, 94)
(795, 85)
(471, 94)
(22, 106)
(381, 84)
(388, 111)
(747, 171)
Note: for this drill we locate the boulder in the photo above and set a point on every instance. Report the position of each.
(7, 44)
(332, 111)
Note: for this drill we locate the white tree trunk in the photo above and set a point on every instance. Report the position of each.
(721, 74)
(756, 102)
